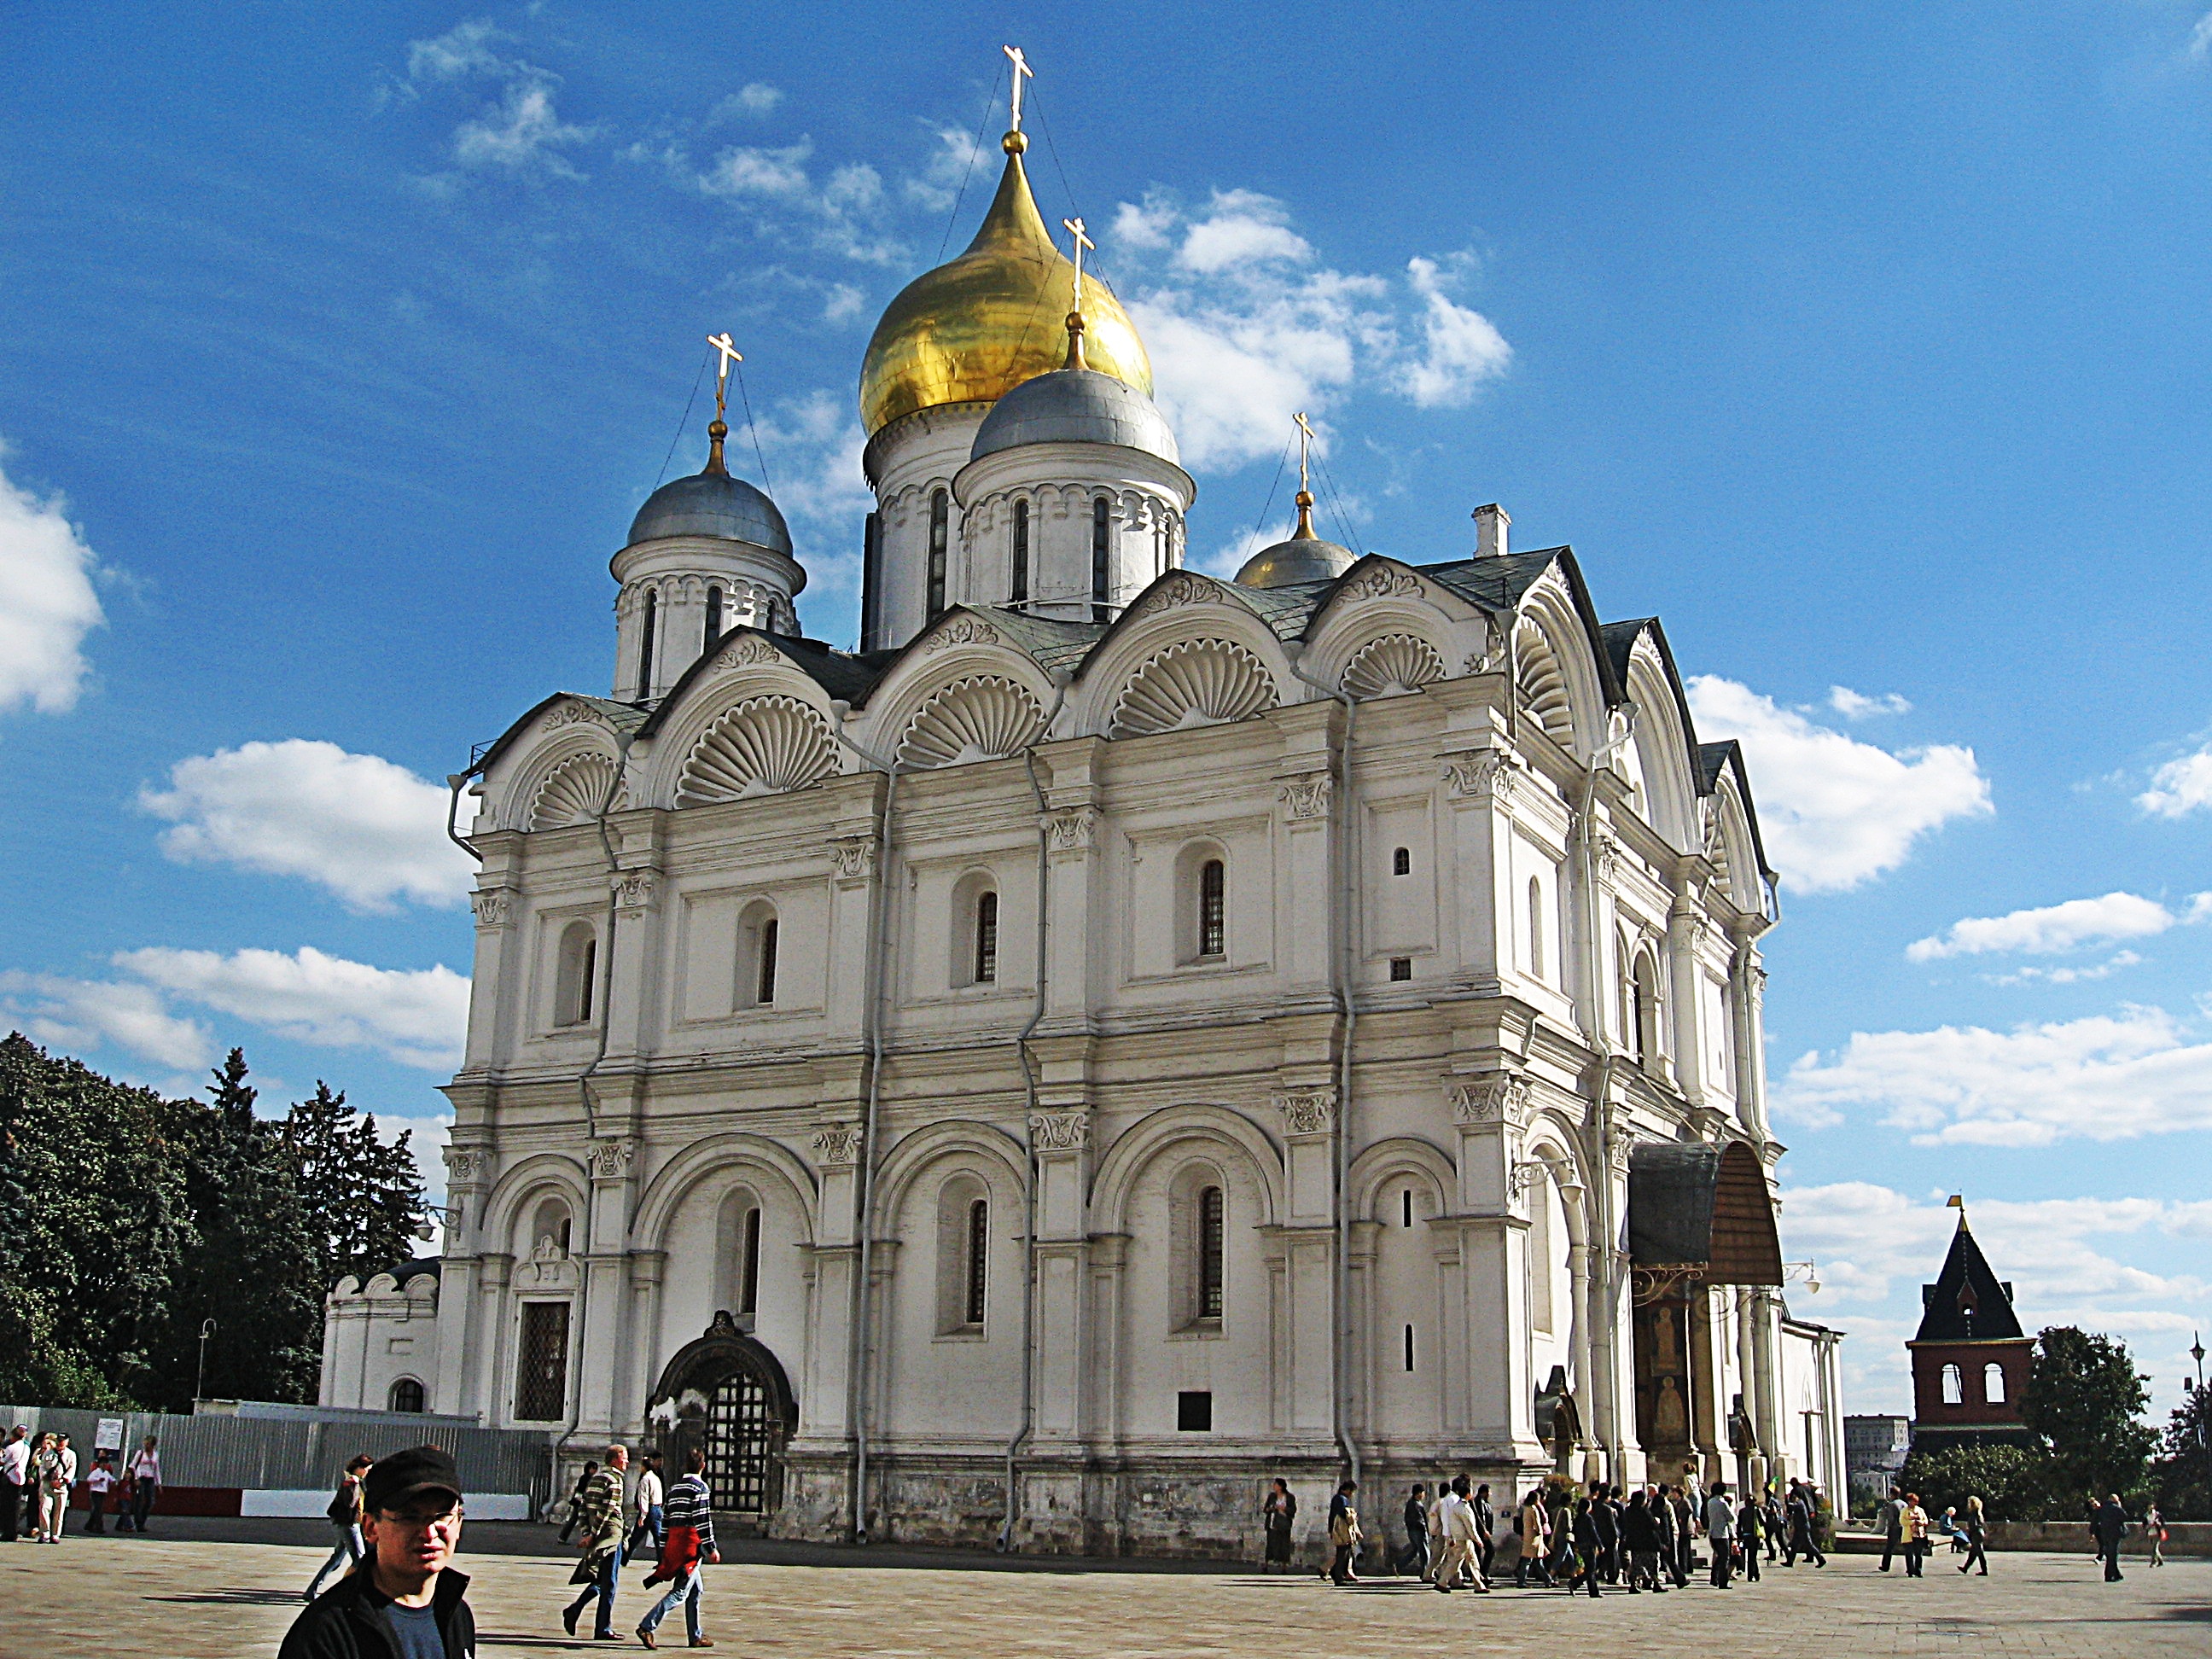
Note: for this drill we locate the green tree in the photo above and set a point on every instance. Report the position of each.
(2182, 1477)
(2081, 1403)
(362, 1196)
(257, 1272)
(2012, 1481)
(96, 1223)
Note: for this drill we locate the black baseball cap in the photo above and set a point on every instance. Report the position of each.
(393, 1481)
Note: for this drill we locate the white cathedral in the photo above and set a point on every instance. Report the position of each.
(1118, 1035)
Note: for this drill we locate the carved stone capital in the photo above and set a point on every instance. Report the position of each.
(1491, 772)
(634, 891)
(495, 907)
(1501, 1097)
(1306, 797)
(1060, 1132)
(1308, 1112)
(1071, 828)
(838, 1146)
(466, 1165)
(612, 1159)
(854, 856)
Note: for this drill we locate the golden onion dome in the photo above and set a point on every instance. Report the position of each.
(972, 330)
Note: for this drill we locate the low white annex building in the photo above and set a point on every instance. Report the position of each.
(1119, 1035)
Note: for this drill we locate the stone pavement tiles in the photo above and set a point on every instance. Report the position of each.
(179, 1597)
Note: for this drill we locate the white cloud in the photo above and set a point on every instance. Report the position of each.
(2180, 787)
(2049, 930)
(415, 1017)
(842, 211)
(2200, 38)
(368, 830)
(47, 604)
(758, 98)
(814, 445)
(2110, 1076)
(1857, 706)
(77, 1014)
(523, 131)
(845, 302)
(1228, 559)
(463, 51)
(752, 170)
(1245, 327)
(2104, 969)
(1834, 812)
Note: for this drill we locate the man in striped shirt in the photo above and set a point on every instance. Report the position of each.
(689, 1547)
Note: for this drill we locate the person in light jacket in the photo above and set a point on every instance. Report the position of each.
(1344, 1534)
(1720, 1532)
(1535, 1527)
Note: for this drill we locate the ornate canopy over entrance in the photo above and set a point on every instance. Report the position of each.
(728, 1395)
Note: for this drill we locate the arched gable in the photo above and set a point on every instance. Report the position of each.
(1225, 1132)
(1663, 743)
(532, 1178)
(732, 1150)
(1383, 618)
(1400, 1155)
(1557, 658)
(916, 1152)
(1200, 642)
(746, 713)
(964, 689)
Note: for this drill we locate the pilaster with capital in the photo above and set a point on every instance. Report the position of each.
(499, 913)
(1060, 1143)
(1308, 821)
(600, 1321)
(636, 967)
(1491, 1111)
(1478, 787)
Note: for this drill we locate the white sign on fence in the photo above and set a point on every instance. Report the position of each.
(109, 1436)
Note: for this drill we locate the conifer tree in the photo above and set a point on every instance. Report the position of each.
(362, 1198)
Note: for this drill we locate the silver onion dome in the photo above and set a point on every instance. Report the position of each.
(712, 503)
(1075, 406)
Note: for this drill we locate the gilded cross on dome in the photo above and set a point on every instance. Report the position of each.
(1304, 497)
(1082, 242)
(728, 347)
(1021, 72)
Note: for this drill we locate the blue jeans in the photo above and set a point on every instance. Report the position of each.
(603, 1622)
(350, 1553)
(687, 1593)
(650, 1528)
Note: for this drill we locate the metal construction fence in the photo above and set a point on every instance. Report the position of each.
(304, 1453)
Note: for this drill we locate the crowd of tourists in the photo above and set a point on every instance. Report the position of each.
(1636, 1538)
(38, 1475)
(613, 1522)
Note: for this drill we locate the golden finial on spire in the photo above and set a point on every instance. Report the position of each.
(720, 429)
(1015, 141)
(1304, 497)
(1075, 313)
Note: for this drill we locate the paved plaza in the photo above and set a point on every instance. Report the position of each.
(224, 1590)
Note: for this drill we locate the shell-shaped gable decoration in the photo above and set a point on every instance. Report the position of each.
(574, 792)
(1391, 664)
(1193, 683)
(983, 717)
(761, 746)
(1543, 686)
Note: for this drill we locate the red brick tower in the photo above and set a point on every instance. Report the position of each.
(1970, 1358)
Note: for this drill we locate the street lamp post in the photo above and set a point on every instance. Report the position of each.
(2203, 1441)
(200, 1382)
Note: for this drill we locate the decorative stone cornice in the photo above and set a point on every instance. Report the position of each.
(838, 1146)
(1060, 1132)
(495, 907)
(1308, 1112)
(1306, 797)
(612, 1159)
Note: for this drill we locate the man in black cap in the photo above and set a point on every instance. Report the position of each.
(404, 1603)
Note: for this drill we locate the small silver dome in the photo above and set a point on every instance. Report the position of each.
(1075, 406)
(711, 503)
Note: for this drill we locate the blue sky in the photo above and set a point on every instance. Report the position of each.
(1865, 344)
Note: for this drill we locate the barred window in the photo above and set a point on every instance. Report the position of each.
(1101, 545)
(940, 524)
(1213, 909)
(1211, 1249)
(1018, 590)
(987, 937)
(541, 1384)
(979, 1259)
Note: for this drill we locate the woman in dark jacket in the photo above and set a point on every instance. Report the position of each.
(1278, 1511)
(1587, 1544)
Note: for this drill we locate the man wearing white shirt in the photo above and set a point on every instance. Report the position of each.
(145, 1484)
(648, 1507)
(1720, 1532)
(15, 1476)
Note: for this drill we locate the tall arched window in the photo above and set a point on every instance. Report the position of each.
(759, 939)
(1018, 591)
(1102, 533)
(1535, 928)
(749, 1263)
(940, 530)
(978, 1261)
(576, 973)
(1643, 990)
(764, 979)
(1211, 1252)
(645, 643)
(407, 1396)
(1954, 1386)
(1212, 909)
(713, 618)
(987, 937)
(1993, 1383)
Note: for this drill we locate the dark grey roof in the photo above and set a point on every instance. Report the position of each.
(1967, 1303)
(622, 716)
(711, 503)
(846, 675)
(1694, 1205)
(431, 1264)
(1075, 406)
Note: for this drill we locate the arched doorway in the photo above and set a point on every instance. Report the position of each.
(727, 1394)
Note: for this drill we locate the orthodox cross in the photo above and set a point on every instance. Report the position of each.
(1305, 437)
(1021, 71)
(728, 347)
(1082, 242)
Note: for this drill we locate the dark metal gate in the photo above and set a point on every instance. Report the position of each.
(740, 1444)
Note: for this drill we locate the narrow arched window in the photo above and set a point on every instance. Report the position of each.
(575, 974)
(764, 978)
(714, 630)
(748, 1264)
(1406, 1199)
(940, 530)
(1535, 927)
(407, 1396)
(979, 1259)
(1993, 1383)
(1211, 1251)
(1644, 989)
(645, 643)
(1102, 533)
(1401, 862)
(1954, 1386)
(1213, 909)
(1017, 589)
(987, 937)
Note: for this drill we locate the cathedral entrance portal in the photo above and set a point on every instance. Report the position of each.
(728, 1394)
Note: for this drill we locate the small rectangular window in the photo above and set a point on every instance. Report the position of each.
(714, 630)
(764, 987)
(1406, 1197)
(1212, 1245)
(1409, 1348)
(979, 1260)
(1401, 862)
(1102, 543)
(987, 939)
(1194, 1411)
(940, 523)
(1017, 589)
(1401, 967)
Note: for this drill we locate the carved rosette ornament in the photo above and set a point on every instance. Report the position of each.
(1306, 797)
(612, 1160)
(495, 907)
(748, 654)
(1504, 1098)
(854, 856)
(1060, 1132)
(838, 1146)
(1481, 772)
(571, 713)
(961, 630)
(1308, 1112)
(1383, 583)
(1180, 590)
